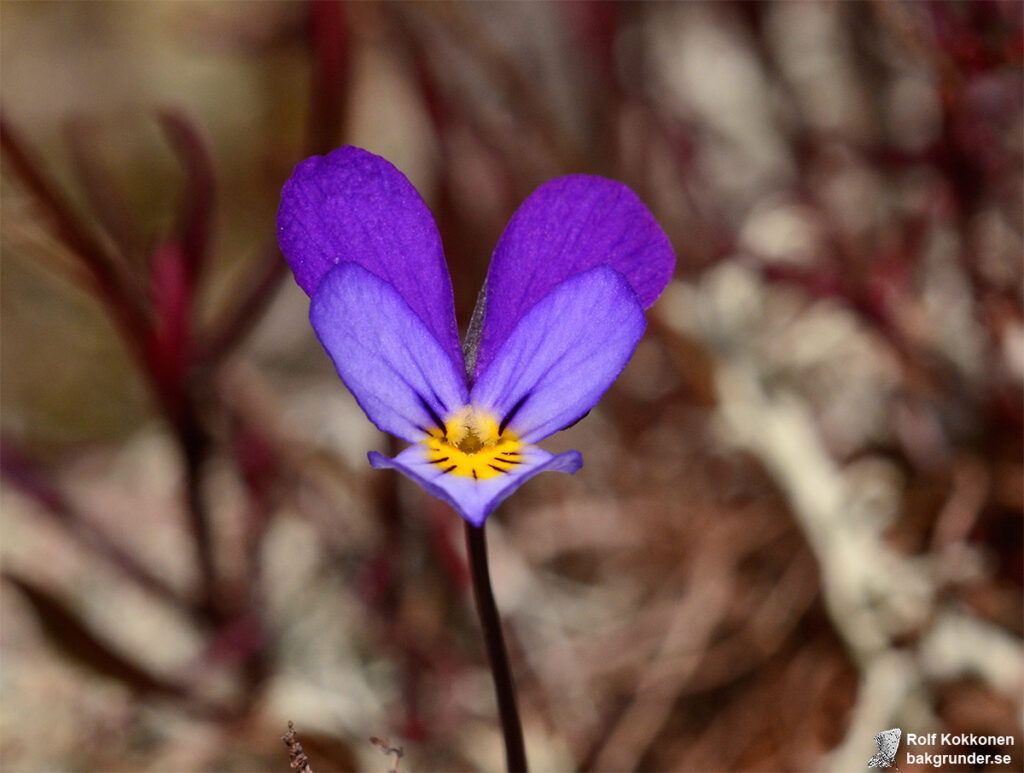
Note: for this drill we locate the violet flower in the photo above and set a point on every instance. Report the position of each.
(563, 311)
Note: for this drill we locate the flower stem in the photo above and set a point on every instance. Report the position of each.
(515, 751)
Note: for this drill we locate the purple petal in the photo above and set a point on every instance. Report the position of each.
(392, 364)
(351, 205)
(475, 499)
(567, 226)
(563, 355)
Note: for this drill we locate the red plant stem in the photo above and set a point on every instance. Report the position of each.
(497, 655)
(329, 76)
(135, 328)
(329, 38)
(196, 211)
(192, 440)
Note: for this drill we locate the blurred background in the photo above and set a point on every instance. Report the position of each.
(799, 520)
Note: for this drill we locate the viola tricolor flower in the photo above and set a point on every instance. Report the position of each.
(563, 310)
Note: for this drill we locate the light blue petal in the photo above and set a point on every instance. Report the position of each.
(562, 355)
(473, 499)
(393, 365)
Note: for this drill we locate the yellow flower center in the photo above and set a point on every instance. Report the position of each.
(473, 445)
